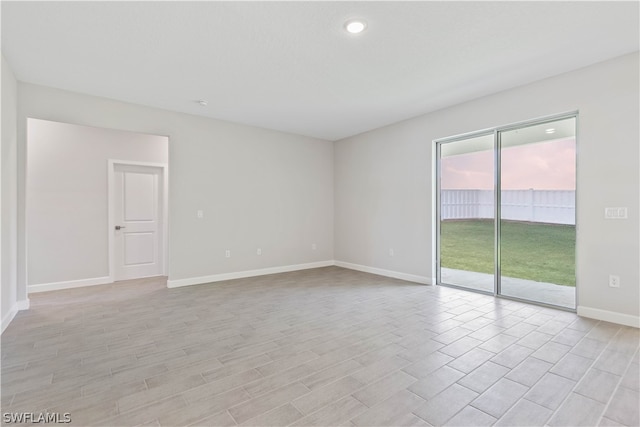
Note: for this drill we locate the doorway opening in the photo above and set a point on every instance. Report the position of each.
(506, 211)
(67, 211)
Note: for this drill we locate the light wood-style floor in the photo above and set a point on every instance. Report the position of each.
(319, 347)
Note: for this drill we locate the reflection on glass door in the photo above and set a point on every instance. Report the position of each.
(537, 212)
(466, 220)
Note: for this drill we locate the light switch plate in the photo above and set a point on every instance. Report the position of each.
(615, 213)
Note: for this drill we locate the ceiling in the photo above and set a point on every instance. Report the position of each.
(290, 66)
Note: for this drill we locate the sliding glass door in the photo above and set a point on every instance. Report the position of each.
(506, 211)
(537, 212)
(467, 218)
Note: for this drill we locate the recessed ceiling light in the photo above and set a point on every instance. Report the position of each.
(355, 26)
(550, 130)
(203, 102)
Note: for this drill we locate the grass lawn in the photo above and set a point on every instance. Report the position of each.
(540, 252)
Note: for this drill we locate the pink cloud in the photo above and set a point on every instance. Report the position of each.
(546, 165)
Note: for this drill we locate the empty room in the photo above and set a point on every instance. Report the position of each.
(320, 213)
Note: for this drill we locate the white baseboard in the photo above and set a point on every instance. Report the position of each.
(248, 273)
(24, 304)
(388, 273)
(18, 306)
(8, 317)
(609, 316)
(69, 284)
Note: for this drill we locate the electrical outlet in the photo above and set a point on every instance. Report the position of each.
(313, 247)
(391, 252)
(259, 251)
(200, 214)
(614, 281)
(227, 253)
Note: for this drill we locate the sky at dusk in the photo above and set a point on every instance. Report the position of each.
(541, 166)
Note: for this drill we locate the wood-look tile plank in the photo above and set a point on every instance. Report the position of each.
(384, 388)
(446, 404)
(435, 382)
(387, 412)
(329, 375)
(498, 398)
(624, 407)
(259, 405)
(540, 393)
(529, 371)
(471, 417)
(281, 416)
(336, 413)
(577, 410)
(597, 385)
(525, 413)
(278, 380)
(572, 366)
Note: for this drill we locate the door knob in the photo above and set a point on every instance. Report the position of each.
(118, 227)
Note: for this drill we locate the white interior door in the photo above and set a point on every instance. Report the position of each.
(137, 221)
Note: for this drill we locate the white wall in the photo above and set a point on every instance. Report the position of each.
(258, 188)
(384, 184)
(8, 180)
(67, 210)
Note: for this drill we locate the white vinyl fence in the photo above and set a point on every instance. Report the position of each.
(548, 206)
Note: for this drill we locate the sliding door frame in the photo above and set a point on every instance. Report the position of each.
(497, 148)
(497, 211)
